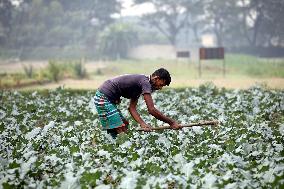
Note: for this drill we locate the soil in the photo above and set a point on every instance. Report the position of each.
(272, 83)
(94, 83)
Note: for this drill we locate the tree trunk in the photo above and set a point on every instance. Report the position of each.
(256, 30)
(218, 32)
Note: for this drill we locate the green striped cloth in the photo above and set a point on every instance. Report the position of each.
(109, 115)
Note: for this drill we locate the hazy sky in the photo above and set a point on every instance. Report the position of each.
(130, 10)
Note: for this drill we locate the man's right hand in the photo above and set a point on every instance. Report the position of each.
(175, 125)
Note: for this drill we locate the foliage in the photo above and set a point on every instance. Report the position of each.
(59, 69)
(53, 24)
(222, 21)
(117, 39)
(41, 29)
(169, 18)
(28, 70)
(79, 69)
(250, 23)
(6, 11)
(54, 70)
(237, 66)
(53, 139)
(263, 26)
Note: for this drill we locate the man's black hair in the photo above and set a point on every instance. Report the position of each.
(163, 74)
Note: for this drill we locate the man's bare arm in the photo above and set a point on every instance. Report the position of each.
(135, 114)
(156, 113)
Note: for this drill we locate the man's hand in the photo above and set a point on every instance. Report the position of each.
(146, 127)
(175, 125)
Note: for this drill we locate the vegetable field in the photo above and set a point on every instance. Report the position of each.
(52, 139)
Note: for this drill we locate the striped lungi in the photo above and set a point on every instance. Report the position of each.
(109, 115)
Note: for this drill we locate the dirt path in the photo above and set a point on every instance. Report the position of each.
(14, 67)
(181, 81)
(242, 83)
(273, 83)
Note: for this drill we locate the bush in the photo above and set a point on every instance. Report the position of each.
(79, 70)
(28, 70)
(17, 78)
(117, 39)
(54, 70)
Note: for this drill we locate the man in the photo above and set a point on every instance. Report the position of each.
(130, 86)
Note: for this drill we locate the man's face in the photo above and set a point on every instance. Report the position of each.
(158, 83)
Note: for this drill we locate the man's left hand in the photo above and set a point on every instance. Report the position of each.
(175, 125)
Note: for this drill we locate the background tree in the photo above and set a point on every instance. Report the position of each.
(273, 25)
(170, 17)
(44, 26)
(6, 11)
(261, 22)
(196, 11)
(252, 17)
(117, 39)
(69, 29)
(222, 18)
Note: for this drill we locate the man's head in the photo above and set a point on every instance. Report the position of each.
(160, 78)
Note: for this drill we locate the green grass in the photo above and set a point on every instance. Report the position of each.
(148, 66)
(255, 67)
(237, 66)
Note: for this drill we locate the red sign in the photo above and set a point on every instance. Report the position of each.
(211, 53)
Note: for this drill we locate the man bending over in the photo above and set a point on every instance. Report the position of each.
(130, 86)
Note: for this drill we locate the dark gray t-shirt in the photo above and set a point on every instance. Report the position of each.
(129, 86)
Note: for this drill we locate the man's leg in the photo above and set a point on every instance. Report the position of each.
(112, 132)
(110, 116)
